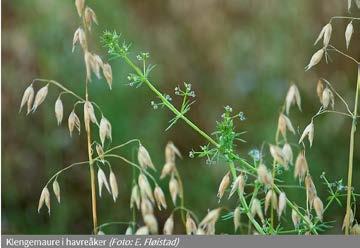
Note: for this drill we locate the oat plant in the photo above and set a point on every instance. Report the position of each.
(328, 95)
(98, 130)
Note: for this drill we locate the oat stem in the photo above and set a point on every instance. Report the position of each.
(351, 154)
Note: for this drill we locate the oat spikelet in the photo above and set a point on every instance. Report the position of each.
(144, 230)
(113, 185)
(44, 199)
(271, 198)
(292, 97)
(348, 33)
(79, 36)
(56, 189)
(319, 208)
(135, 197)
(277, 155)
(301, 166)
(80, 6)
(159, 197)
(210, 218)
(255, 209)
(88, 58)
(129, 231)
(319, 89)
(59, 110)
(174, 189)
(144, 158)
(89, 115)
(239, 184)
(151, 223)
(168, 169)
(284, 123)
(105, 130)
(27, 98)
(107, 71)
(295, 218)
(282, 204)
(90, 17)
(170, 153)
(100, 152)
(328, 98)
(264, 176)
(169, 225)
(102, 181)
(237, 217)
(355, 229)
(145, 188)
(190, 225)
(223, 185)
(315, 59)
(96, 64)
(287, 153)
(73, 122)
(40, 97)
(146, 207)
(310, 189)
(309, 132)
(326, 34)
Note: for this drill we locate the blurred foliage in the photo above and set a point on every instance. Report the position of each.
(241, 53)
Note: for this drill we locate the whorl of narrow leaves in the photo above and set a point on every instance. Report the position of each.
(102, 181)
(27, 98)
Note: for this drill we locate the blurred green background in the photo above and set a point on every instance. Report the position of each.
(242, 53)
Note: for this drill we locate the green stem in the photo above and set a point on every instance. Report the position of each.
(351, 155)
(212, 141)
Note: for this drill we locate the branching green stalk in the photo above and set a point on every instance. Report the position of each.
(351, 154)
(212, 141)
